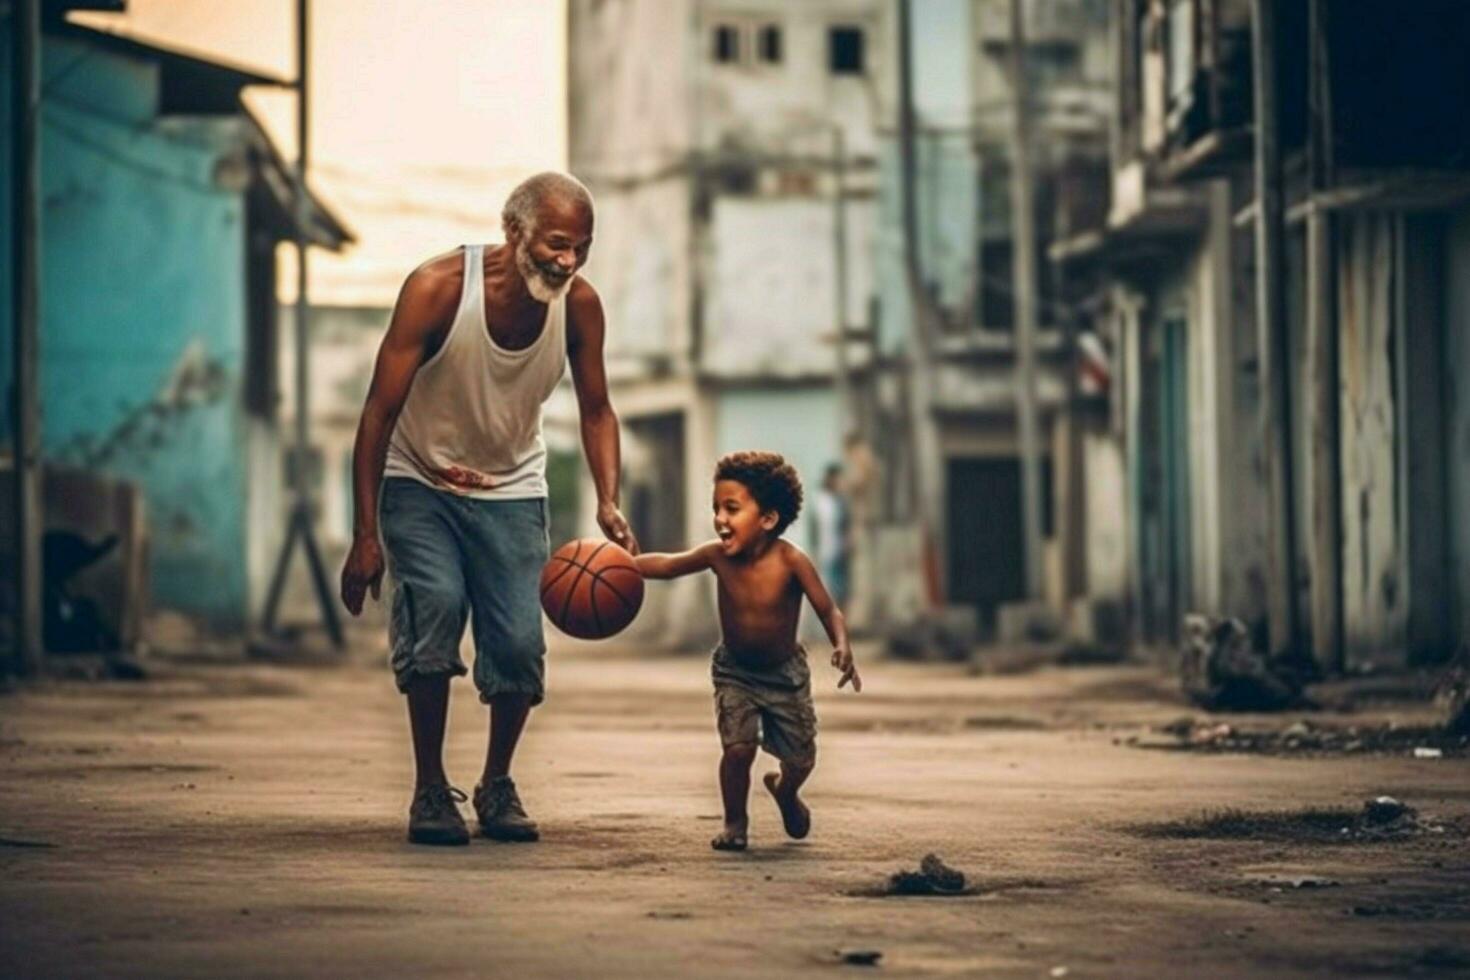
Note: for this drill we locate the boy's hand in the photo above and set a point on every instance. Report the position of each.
(842, 660)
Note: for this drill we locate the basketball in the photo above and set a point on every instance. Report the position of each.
(591, 589)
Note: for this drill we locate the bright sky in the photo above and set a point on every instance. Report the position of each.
(424, 115)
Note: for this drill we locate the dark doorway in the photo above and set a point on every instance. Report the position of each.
(985, 558)
(655, 489)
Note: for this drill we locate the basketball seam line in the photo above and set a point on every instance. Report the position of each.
(571, 562)
(572, 589)
(570, 565)
(597, 578)
(592, 601)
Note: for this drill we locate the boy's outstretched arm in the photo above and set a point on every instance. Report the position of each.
(664, 565)
(831, 616)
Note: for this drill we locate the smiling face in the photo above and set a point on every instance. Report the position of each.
(739, 521)
(549, 252)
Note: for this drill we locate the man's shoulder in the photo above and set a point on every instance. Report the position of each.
(440, 272)
(582, 296)
(434, 287)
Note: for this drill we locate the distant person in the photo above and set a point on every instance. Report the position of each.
(763, 692)
(449, 455)
(833, 532)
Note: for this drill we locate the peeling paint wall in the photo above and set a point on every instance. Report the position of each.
(1107, 528)
(630, 123)
(1457, 421)
(1243, 579)
(143, 316)
(1374, 601)
(771, 298)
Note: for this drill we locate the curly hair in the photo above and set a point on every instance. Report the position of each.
(773, 482)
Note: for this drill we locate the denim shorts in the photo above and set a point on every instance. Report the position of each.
(453, 558)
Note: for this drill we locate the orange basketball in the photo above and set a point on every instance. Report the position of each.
(591, 589)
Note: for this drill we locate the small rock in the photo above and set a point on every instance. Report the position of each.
(1311, 881)
(943, 876)
(1179, 727)
(1384, 809)
(1059, 971)
(934, 877)
(1297, 730)
(860, 957)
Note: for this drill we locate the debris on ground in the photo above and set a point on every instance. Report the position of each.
(1385, 809)
(19, 842)
(1278, 882)
(1302, 738)
(1380, 819)
(1221, 669)
(934, 877)
(859, 957)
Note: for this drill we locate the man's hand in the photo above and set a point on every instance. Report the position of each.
(363, 571)
(842, 660)
(615, 526)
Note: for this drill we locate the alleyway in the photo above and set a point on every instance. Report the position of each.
(248, 820)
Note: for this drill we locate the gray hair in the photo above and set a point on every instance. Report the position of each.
(525, 202)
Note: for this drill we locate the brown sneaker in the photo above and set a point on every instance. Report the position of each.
(433, 817)
(501, 815)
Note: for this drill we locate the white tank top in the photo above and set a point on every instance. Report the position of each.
(472, 421)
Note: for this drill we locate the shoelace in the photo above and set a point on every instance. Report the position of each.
(502, 795)
(439, 794)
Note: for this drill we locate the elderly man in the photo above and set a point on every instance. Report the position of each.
(450, 457)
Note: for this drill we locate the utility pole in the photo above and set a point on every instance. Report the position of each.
(1274, 352)
(25, 239)
(928, 489)
(302, 523)
(1023, 218)
(846, 408)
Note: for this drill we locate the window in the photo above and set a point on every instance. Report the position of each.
(770, 44)
(845, 50)
(727, 44)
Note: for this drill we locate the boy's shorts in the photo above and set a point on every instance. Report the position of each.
(452, 557)
(772, 706)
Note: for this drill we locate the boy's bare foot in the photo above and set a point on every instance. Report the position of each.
(794, 813)
(732, 838)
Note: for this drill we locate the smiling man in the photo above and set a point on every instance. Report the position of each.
(450, 455)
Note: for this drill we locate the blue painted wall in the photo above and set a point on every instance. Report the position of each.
(143, 316)
(799, 423)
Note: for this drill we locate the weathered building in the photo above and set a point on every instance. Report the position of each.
(731, 146)
(964, 106)
(163, 202)
(1305, 470)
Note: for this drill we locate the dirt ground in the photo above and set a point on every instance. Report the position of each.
(247, 819)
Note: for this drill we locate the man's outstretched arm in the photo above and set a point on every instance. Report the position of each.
(419, 319)
(585, 332)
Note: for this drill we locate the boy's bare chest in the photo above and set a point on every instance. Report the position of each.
(758, 587)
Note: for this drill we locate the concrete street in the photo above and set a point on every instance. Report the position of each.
(247, 819)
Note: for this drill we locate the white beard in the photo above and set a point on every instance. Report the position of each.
(541, 290)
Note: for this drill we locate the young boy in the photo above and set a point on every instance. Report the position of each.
(763, 691)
